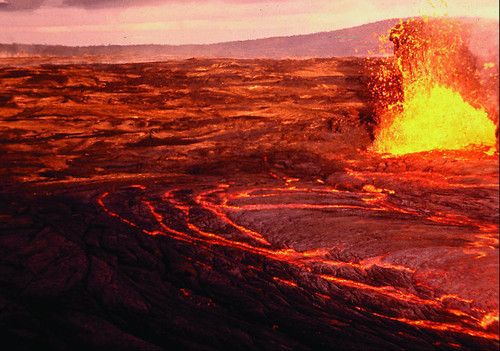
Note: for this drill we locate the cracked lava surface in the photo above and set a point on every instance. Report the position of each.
(207, 219)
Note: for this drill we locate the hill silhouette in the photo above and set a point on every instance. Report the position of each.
(359, 41)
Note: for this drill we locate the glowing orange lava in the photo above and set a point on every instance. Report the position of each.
(430, 96)
(220, 202)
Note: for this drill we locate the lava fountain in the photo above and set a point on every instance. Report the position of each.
(430, 95)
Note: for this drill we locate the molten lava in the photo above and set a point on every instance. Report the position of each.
(222, 200)
(435, 119)
(433, 100)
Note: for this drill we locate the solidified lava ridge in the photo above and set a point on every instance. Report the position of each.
(209, 218)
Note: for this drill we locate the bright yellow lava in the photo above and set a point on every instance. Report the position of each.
(429, 107)
(438, 118)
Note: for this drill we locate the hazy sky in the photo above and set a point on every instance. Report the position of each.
(92, 22)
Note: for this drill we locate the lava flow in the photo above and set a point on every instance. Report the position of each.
(432, 108)
(430, 96)
(185, 208)
(237, 204)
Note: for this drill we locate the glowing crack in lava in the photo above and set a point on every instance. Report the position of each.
(431, 99)
(176, 214)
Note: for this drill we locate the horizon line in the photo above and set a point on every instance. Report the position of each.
(247, 40)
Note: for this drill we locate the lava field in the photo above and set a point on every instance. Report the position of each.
(233, 204)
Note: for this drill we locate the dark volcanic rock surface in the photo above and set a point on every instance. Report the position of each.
(215, 204)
